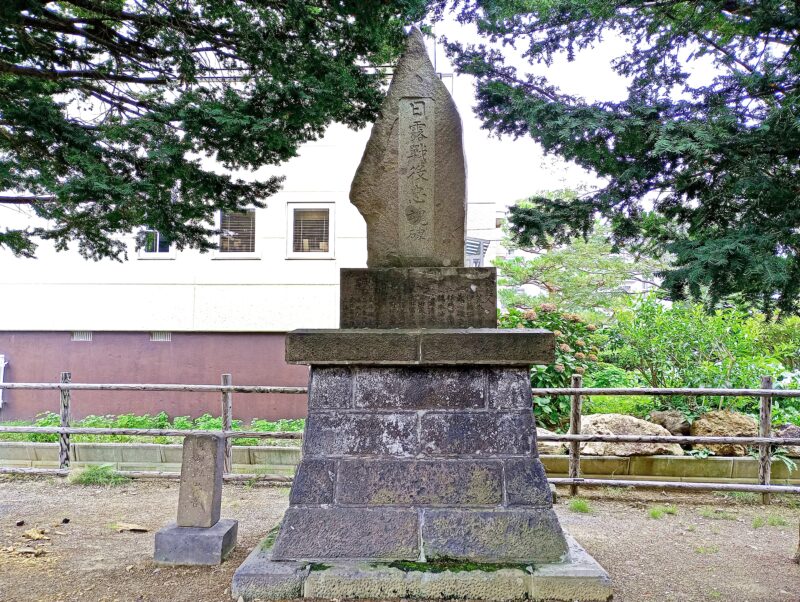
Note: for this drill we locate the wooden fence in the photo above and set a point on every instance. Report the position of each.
(576, 392)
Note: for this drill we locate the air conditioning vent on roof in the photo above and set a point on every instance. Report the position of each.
(81, 335)
(160, 336)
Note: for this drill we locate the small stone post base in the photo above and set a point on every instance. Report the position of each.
(196, 545)
(198, 536)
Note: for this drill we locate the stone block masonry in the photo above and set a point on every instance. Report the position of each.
(420, 462)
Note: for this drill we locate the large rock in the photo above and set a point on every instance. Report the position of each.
(672, 420)
(411, 183)
(789, 430)
(621, 424)
(724, 423)
(548, 447)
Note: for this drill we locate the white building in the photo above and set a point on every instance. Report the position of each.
(279, 270)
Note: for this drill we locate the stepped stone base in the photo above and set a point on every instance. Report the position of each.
(420, 464)
(578, 578)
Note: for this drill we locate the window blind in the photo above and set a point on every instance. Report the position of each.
(238, 232)
(311, 231)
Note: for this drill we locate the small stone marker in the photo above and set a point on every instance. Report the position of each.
(200, 495)
(411, 183)
(198, 537)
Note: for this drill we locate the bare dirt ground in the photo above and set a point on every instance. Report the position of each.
(712, 548)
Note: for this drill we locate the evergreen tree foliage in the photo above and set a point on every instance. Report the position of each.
(108, 108)
(717, 157)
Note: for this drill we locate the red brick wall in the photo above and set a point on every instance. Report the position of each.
(130, 357)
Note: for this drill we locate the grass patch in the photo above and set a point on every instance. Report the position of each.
(318, 566)
(691, 528)
(657, 512)
(98, 475)
(759, 522)
(578, 504)
(441, 565)
(743, 497)
(716, 514)
(707, 549)
(773, 520)
(269, 540)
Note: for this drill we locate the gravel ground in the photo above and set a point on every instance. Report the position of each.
(712, 548)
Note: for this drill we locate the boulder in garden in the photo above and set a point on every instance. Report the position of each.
(548, 448)
(672, 420)
(622, 424)
(789, 430)
(724, 423)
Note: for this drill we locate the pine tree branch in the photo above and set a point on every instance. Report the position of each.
(91, 74)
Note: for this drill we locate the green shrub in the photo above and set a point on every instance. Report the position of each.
(577, 348)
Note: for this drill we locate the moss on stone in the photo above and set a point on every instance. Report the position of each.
(269, 540)
(454, 565)
(318, 566)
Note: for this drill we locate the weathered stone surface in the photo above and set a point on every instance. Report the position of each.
(526, 483)
(320, 533)
(789, 430)
(578, 577)
(477, 433)
(195, 545)
(260, 578)
(352, 347)
(510, 388)
(356, 434)
(329, 388)
(420, 388)
(548, 447)
(622, 424)
(200, 496)
(349, 580)
(420, 483)
(436, 347)
(418, 298)
(313, 482)
(531, 535)
(724, 423)
(488, 346)
(411, 183)
(672, 420)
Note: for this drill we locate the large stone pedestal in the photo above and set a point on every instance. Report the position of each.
(414, 452)
(419, 463)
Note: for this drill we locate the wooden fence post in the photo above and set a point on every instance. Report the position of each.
(575, 429)
(63, 438)
(227, 421)
(765, 430)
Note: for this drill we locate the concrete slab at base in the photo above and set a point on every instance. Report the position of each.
(579, 578)
(195, 545)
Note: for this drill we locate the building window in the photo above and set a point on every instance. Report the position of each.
(81, 335)
(155, 246)
(238, 232)
(310, 233)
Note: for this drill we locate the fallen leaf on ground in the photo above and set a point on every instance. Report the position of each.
(35, 534)
(132, 527)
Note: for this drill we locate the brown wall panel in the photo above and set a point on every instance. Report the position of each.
(130, 357)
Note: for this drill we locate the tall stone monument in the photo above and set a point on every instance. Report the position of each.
(420, 446)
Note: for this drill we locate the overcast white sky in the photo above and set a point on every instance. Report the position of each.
(504, 169)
